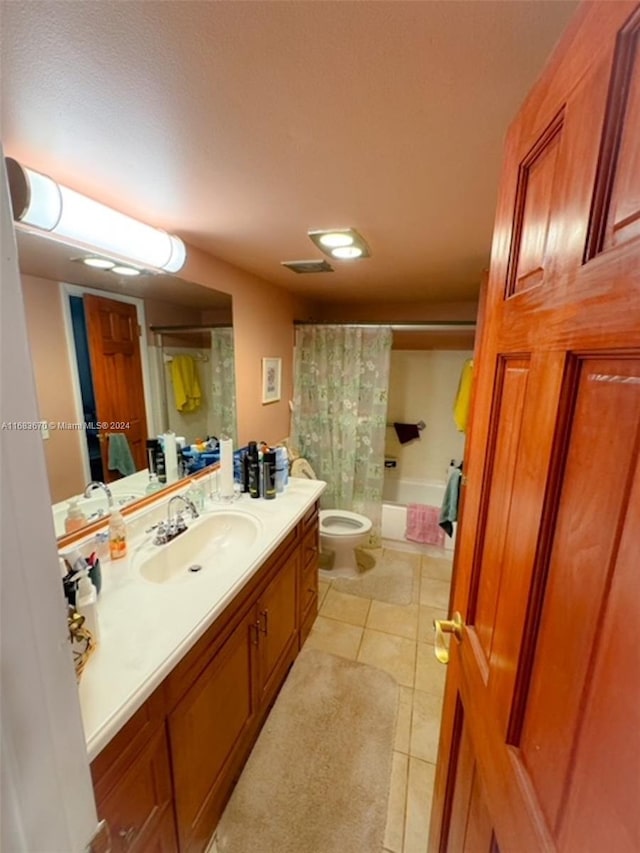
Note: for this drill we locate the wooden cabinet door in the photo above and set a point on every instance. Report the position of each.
(277, 625)
(139, 808)
(208, 733)
(540, 742)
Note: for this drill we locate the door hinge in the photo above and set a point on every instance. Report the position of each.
(101, 841)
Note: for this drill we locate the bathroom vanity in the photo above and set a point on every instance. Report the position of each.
(173, 701)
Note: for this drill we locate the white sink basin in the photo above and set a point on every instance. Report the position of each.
(209, 542)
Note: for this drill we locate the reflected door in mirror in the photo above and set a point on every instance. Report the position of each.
(113, 335)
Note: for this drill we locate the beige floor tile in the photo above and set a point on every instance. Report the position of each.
(403, 724)
(345, 608)
(425, 622)
(419, 796)
(434, 593)
(341, 639)
(437, 568)
(323, 589)
(394, 619)
(425, 726)
(394, 830)
(395, 655)
(430, 673)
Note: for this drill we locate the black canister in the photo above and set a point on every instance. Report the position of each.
(269, 475)
(253, 469)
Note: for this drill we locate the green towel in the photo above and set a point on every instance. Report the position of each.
(449, 511)
(120, 458)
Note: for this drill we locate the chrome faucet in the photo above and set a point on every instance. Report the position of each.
(97, 484)
(166, 531)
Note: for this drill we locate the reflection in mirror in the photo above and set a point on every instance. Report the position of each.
(104, 367)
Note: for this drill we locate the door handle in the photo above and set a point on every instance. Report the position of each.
(441, 627)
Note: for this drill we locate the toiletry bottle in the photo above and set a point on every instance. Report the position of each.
(254, 470)
(117, 535)
(75, 518)
(281, 468)
(153, 485)
(101, 544)
(244, 459)
(160, 466)
(269, 474)
(87, 605)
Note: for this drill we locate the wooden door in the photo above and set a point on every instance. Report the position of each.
(116, 368)
(540, 740)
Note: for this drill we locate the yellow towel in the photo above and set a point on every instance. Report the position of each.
(186, 388)
(463, 396)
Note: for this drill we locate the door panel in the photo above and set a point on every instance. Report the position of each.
(513, 375)
(540, 738)
(116, 367)
(601, 449)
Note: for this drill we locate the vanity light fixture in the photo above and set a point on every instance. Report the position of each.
(40, 204)
(345, 244)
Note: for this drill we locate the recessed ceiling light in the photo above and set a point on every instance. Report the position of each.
(336, 238)
(345, 244)
(120, 270)
(346, 253)
(99, 263)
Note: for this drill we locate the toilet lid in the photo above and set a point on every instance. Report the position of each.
(301, 468)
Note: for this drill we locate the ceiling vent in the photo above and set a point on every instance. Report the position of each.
(308, 266)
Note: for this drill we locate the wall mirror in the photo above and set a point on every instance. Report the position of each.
(158, 348)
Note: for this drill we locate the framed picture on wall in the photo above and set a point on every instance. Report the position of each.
(271, 376)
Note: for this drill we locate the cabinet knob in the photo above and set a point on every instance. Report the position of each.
(265, 615)
(127, 835)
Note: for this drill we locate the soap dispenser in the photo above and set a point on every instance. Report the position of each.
(75, 518)
(117, 535)
(87, 604)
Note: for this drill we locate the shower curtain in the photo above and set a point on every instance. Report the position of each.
(223, 383)
(341, 377)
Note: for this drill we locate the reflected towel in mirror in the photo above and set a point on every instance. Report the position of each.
(186, 386)
(120, 458)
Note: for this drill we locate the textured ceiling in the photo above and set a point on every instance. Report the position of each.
(241, 125)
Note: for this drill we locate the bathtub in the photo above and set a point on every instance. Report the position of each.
(396, 494)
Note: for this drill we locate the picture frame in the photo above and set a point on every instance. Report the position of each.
(271, 379)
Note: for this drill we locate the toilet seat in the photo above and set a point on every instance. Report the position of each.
(341, 522)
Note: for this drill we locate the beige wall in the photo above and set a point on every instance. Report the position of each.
(45, 328)
(423, 386)
(263, 316)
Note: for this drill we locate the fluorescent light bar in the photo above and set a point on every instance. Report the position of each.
(41, 203)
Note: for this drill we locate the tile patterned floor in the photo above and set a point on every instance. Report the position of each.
(399, 640)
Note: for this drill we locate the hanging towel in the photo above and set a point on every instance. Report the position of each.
(463, 396)
(406, 432)
(186, 387)
(422, 525)
(449, 510)
(120, 458)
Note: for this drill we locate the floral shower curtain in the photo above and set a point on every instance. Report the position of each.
(223, 383)
(341, 377)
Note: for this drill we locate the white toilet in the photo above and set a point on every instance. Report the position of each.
(341, 531)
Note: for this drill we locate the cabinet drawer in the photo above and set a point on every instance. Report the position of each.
(311, 516)
(140, 808)
(308, 619)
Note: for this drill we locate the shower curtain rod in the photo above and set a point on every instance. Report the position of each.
(402, 326)
(167, 329)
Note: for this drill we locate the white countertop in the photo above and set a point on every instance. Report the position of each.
(146, 628)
